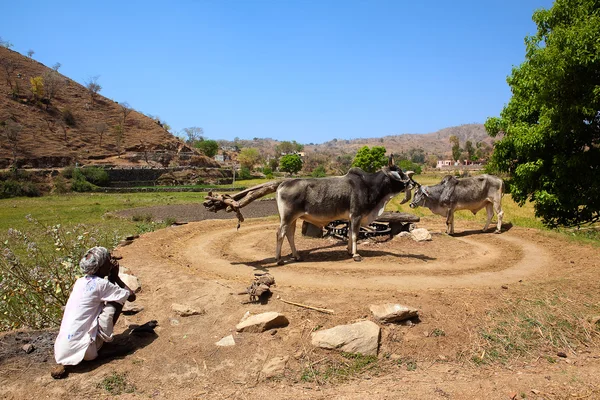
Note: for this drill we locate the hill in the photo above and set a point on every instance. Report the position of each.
(57, 123)
(436, 143)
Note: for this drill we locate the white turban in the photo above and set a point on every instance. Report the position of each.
(93, 260)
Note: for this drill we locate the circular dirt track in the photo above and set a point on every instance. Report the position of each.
(214, 249)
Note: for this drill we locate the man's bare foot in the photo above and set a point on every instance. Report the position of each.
(58, 372)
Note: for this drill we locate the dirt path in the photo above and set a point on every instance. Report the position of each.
(457, 283)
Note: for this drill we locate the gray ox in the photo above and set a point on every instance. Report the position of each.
(453, 194)
(358, 196)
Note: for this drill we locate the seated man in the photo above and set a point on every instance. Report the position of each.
(91, 311)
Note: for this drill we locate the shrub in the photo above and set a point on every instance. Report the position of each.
(80, 183)
(67, 172)
(38, 269)
(245, 173)
(319, 172)
(96, 175)
(68, 117)
(60, 185)
(13, 188)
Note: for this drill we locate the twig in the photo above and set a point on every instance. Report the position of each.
(323, 310)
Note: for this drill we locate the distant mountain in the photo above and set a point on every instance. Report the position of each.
(67, 129)
(436, 143)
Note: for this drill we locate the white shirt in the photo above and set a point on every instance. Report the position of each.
(80, 321)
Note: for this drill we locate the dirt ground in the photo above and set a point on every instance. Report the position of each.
(458, 283)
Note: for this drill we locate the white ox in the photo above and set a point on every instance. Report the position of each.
(453, 194)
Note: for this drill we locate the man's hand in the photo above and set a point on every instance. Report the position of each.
(113, 275)
(132, 295)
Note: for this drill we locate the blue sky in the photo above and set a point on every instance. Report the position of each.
(308, 71)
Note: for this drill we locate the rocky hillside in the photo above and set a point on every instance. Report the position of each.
(57, 123)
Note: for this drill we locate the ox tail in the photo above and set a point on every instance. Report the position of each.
(215, 202)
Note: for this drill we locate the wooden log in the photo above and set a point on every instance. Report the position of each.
(397, 217)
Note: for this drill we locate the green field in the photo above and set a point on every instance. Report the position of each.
(95, 209)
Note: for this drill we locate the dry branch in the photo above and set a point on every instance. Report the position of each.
(323, 310)
(215, 202)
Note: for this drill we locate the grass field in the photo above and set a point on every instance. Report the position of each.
(95, 209)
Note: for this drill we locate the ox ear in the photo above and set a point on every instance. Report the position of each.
(395, 175)
(391, 161)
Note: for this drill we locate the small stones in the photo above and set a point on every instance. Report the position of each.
(28, 348)
(274, 367)
(226, 341)
(185, 311)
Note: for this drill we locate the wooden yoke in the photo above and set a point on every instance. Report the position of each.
(215, 202)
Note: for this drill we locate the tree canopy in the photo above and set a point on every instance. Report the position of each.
(370, 159)
(208, 147)
(551, 126)
(291, 163)
(249, 157)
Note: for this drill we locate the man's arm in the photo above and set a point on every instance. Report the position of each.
(113, 277)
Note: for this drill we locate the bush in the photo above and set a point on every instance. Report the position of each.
(13, 188)
(267, 171)
(95, 175)
(80, 183)
(38, 269)
(67, 172)
(245, 173)
(68, 117)
(60, 185)
(319, 172)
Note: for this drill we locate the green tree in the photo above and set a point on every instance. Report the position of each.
(470, 150)
(249, 157)
(551, 125)
(370, 159)
(287, 147)
(456, 150)
(291, 163)
(208, 147)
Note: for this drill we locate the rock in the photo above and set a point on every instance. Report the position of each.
(274, 367)
(131, 308)
(392, 312)
(226, 341)
(361, 337)
(420, 235)
(28, 348)
(246, 316)
(185, 311)
(124, 243)
(561, 354)
(404, 234)
(131, 281)
(262, 322)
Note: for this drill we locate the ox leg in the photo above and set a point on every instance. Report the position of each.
(290, 233)
(499, 214)
(489, 208)
(353, 239)
(450, 222)
(282, 231)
